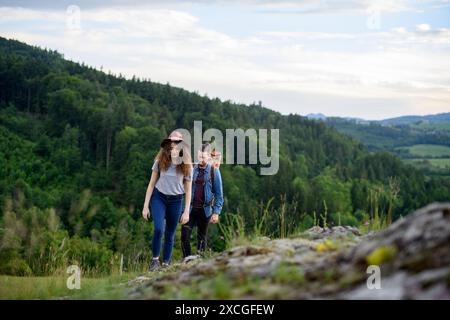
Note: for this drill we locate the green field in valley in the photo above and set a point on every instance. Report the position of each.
(431, 126)
(427, 150)
(433, 159)
(443, 163)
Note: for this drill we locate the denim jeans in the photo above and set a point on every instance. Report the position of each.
(169, 208)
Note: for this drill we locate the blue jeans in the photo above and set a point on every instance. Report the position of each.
(166, 207)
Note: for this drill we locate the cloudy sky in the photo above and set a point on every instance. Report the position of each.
(359, 58)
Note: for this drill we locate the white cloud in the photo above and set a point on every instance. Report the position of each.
(296, 35)
(329, 6)
(406, 67)
(423, 27)
(281, 5)
(12, 14)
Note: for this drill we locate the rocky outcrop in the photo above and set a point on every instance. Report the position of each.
(419, 264)
(413, 257)
(333, 232)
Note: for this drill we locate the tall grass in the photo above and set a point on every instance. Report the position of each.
(284, 220)
(233, 229)
(266, 220)
(382, 201)
(324, 215)
(282, 216)
(260, 224)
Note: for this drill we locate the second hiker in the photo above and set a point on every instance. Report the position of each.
(207, 201)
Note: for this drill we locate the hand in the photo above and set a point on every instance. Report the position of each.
(214, 218)
(145, 213)
(184, 217)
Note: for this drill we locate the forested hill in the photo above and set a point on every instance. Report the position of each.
(77, 145)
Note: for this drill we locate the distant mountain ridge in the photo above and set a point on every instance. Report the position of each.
(316, 116)
(440, 117)
(402, 120)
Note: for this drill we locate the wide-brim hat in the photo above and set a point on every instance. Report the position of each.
(175, 136)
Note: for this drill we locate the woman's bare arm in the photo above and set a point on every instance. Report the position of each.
(187, 201)
(148, 194)
(188, 190)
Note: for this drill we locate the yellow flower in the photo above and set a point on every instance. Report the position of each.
(325, 246)
(380, 255)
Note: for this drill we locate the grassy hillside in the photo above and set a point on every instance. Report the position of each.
(77, 146)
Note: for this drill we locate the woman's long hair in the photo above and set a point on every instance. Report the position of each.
(164, 158)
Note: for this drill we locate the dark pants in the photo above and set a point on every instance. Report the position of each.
(168, 208)
(196, 218)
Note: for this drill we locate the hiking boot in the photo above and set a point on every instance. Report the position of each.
(165, 265)
(154, 265)
(191, 258)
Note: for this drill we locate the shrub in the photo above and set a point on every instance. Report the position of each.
(15, 267)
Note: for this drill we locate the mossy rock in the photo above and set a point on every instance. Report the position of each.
(326, 246)
(380, 255)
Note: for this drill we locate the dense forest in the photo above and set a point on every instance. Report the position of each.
(77, 145)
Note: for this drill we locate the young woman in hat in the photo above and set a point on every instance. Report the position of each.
(170, 183)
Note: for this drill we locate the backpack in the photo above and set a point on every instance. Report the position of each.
(211, 175)
(211, 178)
(216, 158)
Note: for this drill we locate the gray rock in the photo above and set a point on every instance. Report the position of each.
(138, 280)
(392, 288)
(333, 232)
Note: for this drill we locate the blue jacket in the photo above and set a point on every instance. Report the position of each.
(211, 192)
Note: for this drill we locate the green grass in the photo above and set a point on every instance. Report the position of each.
(443, 163)
(434, 159)
(54, 287)
(427, 150)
